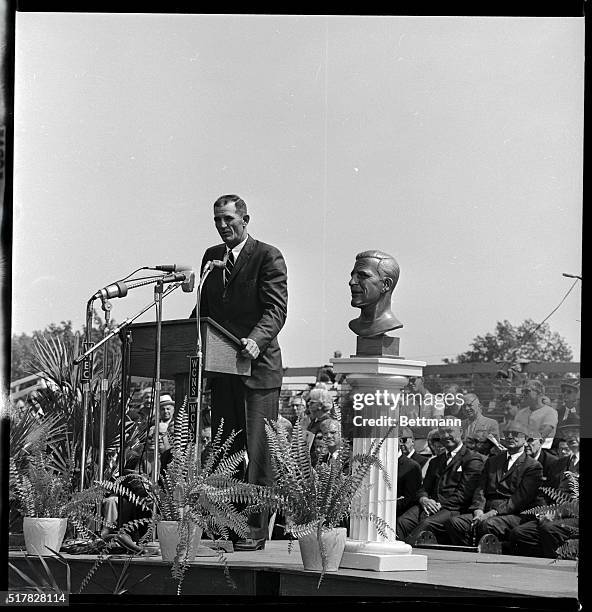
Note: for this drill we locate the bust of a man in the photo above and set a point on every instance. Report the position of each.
(372, 283)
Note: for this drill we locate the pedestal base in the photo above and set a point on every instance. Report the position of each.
(381, 557)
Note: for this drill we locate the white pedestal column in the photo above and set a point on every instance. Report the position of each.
(375, 387)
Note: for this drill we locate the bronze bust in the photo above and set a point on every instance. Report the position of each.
(372, 283)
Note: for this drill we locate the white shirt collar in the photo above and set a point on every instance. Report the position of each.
(237, 249)
(536, 457)
(410, 453)
(512, 458)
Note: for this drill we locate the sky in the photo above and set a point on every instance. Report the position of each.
(454, 144)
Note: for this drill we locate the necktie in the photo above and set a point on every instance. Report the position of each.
(507, 464)
(228, 267)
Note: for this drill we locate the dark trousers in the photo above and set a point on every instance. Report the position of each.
(538, 539)
(245, 410)
(460, 531)
(412, 522)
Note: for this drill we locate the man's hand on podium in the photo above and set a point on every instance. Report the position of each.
(250, 348)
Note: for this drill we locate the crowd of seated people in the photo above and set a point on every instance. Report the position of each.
(478, 477)
(482, 480)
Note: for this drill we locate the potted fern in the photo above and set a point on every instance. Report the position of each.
(563, 511)
(192, 498)
(43, 496)
(316, 501)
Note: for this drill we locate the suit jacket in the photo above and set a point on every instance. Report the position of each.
(419, 459)
(508, 492)
(453, 485)
(408, 483)
(563, 464)
(252, 305)
(547, 460)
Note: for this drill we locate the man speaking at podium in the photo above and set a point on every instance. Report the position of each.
(249, 298)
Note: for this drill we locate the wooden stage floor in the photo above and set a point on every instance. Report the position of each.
(274, 572)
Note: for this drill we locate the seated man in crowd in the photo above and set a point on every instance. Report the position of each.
(541, 536)
(331, 430)
(447, 489)
(407, 446)
(165, 433)
(476, 425)
(436, 448)
(537, 414)
(408, 481)
(545, 457)
(568, 405)
(570, 461)
(508, 485)
(319, 404)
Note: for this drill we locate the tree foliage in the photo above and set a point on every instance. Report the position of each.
(23, 345)
(511, 342)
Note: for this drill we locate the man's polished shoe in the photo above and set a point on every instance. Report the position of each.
(250, 544)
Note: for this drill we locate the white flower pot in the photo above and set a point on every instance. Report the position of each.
(168, 537)
(43, 533)
(334, 542)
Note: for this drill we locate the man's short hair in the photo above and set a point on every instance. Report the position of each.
(327, 422)
(534, 385)
(406, 433)
(386, 266)
(239, 203)
(323, 396)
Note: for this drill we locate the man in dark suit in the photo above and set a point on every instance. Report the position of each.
(508, 485)
(407, 446)
(447, 489)
(248, 297)
(535, 450)
(408, 482)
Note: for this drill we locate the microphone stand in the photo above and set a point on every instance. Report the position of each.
(87, 377)
(88, 352)
(205, 273)
(106, 306)
(158, 290)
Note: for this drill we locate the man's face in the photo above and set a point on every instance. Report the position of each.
(533, 446)
(406, 444)
(319, 446)
(331, 435)
(514, 440)
(205, 436)
(569, 395)
(471, 443)
(472, 408)
(563, 449)
(572, 437)
(530, 398)
(166, 412)
(450, 437)
(435, 445)
(510, 411)
(316, 409)
(299, 406)
(230, 225)
(365, 284)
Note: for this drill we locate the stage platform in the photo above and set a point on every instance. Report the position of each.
(274, 572)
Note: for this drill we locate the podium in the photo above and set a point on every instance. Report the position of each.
(220, 348)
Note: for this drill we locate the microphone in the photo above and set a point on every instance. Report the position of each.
(213, 263)
(189, 284)
(172, 267)
(175, 277)
(115, 290)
